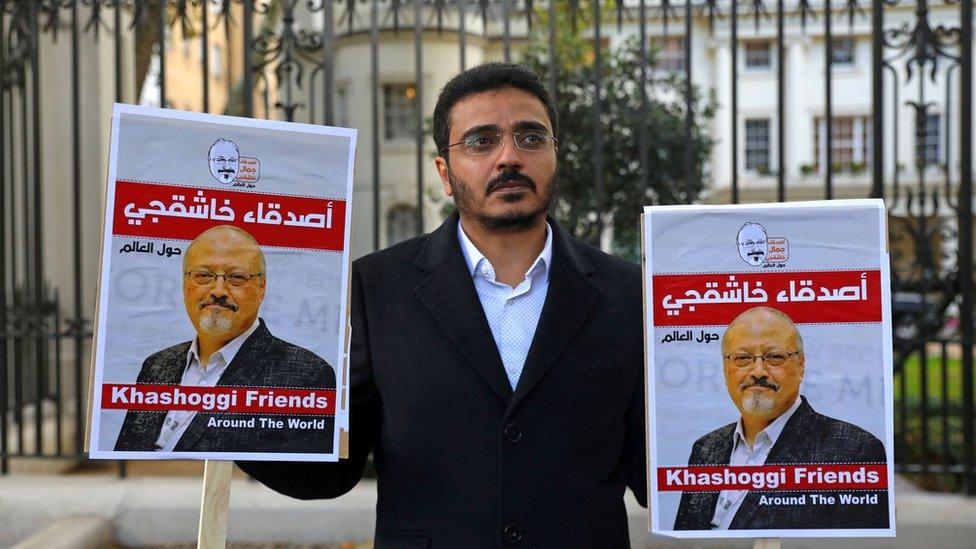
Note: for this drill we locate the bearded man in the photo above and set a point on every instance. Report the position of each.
(497, 362)
(224, 280)
(762, 354)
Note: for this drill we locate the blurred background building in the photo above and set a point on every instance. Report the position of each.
(661, 102)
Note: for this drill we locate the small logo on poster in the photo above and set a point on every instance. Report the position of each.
(759, 250)
(228, 166)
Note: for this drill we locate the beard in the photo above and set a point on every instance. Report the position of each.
(513, 220)
(758, 403)
(214, 323)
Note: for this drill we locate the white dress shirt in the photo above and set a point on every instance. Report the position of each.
(194, 375)
(730, 500)
(512, 313)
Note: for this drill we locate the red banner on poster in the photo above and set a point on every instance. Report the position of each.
(164, 211)
(846, 476)
(807, 297)
(256, 400)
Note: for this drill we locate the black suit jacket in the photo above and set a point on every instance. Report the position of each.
(262, 361)
(808, 437)
(461, 459)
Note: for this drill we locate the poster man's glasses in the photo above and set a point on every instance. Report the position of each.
(236, 278)
(481, 143)
(745, 360)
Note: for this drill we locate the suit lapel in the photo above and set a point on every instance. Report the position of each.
(149, 424)
(569, 302)
(245, 369)
(241, 372)
(720, 452)
(449, 295)
(790, 447)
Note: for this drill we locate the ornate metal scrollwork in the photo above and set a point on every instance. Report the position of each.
(925, 275)
(710, 10)
(287, 52)
(806, 12)
(350, 16)
(759, 11)
(18, 39)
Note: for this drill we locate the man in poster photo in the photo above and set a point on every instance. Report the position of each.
(224, 280)
(762, 353)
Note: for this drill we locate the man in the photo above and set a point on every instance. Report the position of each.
(223, 286)
(224, 159)
(764, 365)
(751, 241)
(496, 362)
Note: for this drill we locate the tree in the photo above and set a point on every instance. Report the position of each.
(589, 212)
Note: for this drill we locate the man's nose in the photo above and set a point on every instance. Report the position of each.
(219, 287)
(758, 368)
(509, 157)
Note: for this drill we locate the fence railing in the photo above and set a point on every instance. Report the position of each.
(757, 100)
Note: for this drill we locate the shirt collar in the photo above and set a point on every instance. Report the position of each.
(774, 429)
(473, 256)
(228, 351)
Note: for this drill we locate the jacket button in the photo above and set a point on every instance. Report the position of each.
(513, 433)
(512, 533)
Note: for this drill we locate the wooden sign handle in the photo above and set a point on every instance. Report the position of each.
(765, 543)
(215, 504)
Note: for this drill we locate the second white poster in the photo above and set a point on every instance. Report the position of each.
(769, 370)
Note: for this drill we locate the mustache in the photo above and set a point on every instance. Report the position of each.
(756, 253)
(758, 382)
(507, 177)
(225, 170)
(220, 302)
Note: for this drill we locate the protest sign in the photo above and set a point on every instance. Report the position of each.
(221, 330)
(769, 388)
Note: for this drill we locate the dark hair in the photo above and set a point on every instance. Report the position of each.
(486, 77)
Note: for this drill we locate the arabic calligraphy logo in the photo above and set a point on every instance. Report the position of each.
(224, 160)
(757, 249)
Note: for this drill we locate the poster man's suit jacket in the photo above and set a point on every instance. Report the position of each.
(262, 361)
(807, 438)
(461, 459)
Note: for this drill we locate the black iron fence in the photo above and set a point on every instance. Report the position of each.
(895, 124)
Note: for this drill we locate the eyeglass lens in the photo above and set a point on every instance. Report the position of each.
(485, 142)
(233, 278)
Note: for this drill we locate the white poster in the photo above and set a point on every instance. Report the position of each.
(221, 330)
(769, 370)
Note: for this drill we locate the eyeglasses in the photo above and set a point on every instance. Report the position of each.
(745, 360)
(482, 143)
(204, 277)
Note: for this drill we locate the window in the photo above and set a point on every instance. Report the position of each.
(757, 145)
(399, 116)
(759, 56)
(669, 53)
(401, 224)
(216, 61)
(842, 52)
(850, 145)
(927, 151)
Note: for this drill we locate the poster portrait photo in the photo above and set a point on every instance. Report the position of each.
(769, 370)
(221, 327)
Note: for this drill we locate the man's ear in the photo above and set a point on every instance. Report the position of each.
(445, 173)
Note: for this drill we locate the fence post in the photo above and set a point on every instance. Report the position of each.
(966, 240)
